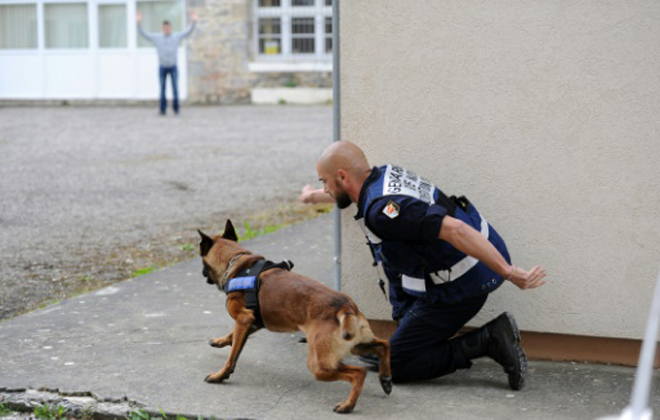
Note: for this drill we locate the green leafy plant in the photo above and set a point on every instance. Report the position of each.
(139, 415)
(49, 412)
(144, 415)
(4, 410)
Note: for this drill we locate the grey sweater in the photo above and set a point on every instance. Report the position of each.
(167, 46)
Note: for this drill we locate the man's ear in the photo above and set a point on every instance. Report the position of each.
(230, 232)
(344, 177)
(206, 244)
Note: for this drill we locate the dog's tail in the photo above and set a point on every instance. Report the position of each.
(348, 322)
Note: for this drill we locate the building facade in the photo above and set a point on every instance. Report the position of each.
(544, 114)
(90, 49)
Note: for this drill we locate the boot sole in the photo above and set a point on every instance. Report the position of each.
(517, 380)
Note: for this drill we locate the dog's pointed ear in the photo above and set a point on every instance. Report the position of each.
(230, 232)
(206, 244)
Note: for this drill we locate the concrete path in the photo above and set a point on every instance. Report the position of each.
(143, 342)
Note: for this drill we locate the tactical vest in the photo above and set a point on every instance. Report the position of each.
(436, 270)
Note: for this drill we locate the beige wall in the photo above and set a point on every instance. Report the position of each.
(546, 114)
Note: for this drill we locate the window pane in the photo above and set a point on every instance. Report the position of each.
(66, 25)
(112, 26)
(270, 30)
(302, 2)
(302, 26)
(302, 35)
(328, 34)
(153, 15)
(18, 26)
(328, 2)
(269, 3)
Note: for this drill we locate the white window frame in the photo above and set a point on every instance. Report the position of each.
(286, 60)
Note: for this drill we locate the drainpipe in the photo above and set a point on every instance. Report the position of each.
(336, 134)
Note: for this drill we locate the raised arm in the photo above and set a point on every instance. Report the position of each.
(191, 26)
(145, 35)
(466, 239)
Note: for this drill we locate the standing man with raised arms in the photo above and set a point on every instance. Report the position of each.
(167, 46)
(441, 258)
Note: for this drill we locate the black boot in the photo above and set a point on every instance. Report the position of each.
(500, 340)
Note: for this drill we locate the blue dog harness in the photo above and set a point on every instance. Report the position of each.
(248, 282)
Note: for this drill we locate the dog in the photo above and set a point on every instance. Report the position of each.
(330, 320)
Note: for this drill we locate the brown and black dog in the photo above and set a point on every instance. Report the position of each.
(331, 321)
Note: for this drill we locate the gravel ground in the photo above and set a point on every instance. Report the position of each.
(91, 195)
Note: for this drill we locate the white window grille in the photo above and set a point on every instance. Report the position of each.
(293, 30)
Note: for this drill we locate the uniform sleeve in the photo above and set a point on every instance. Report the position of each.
(400, 218)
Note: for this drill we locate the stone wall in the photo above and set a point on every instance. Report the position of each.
(219, 52)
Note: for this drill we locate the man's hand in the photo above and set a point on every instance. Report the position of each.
(193, 15)
(138, 16)
(528, 279)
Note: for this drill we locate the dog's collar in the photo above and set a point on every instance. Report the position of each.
(225, 276)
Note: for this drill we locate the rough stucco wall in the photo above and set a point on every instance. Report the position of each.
(545, 114)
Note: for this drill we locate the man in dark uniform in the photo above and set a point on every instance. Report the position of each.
(441, 258)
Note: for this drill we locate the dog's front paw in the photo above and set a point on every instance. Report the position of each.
(215, 378)
(219, 343)
(386, 383)
(343, 408)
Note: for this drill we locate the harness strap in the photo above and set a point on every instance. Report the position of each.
(251, 288)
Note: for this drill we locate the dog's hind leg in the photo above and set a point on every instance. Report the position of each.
(324, 361)
(244, 319)
(380, 348)
(353, 374)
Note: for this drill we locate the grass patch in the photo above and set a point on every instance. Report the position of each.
(188, 247)
(143, 271)
(249, 233)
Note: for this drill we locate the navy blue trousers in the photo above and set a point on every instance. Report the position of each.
(421, 348)
(174, 75)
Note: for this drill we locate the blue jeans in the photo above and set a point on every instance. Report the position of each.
(174, 75)
(421, 347)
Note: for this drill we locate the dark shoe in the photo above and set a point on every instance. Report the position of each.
(500, 340)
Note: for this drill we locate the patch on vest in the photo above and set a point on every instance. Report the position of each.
(391, 210)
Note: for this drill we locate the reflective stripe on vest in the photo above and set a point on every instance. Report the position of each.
(454, 273)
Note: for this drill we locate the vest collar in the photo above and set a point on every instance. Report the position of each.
(375, 174)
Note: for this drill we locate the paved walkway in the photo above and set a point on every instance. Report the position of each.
(145, 341)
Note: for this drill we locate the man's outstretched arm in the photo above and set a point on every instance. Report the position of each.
(467, 240)
(311, 195)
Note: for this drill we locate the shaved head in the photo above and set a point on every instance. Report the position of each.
(343, 168)
(344, 155)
